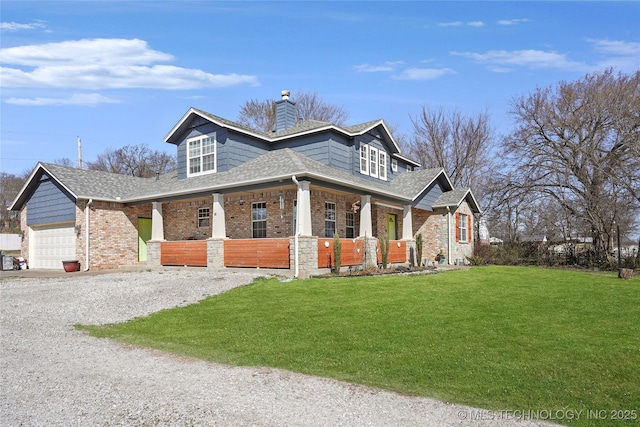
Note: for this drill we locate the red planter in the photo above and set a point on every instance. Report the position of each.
(70, 266)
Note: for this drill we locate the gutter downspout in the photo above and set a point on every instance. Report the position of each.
(87, 209)
(295, 239)
(449, 235)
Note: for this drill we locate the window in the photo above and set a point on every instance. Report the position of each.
(350, 231)
(329, 219)
(259, 220)
(201, 153)
(394, 165)
(463, 231)
(203, 217)
(373, 161)
(364, 159)
(383, 165)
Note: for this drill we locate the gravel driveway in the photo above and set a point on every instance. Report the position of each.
(53, 375)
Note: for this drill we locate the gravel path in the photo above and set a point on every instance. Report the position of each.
(53, 375)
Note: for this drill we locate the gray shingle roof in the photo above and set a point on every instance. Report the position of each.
(273, 166)
(85, 183)
(455, 197)
(280, 165)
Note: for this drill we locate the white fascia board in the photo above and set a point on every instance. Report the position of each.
(406, 159)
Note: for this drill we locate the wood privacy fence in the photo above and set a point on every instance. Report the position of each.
(352, 252)
(264, 253)
(184, 252)
(397, 252)
(272, 253)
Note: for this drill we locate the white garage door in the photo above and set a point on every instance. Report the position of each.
(49, 246)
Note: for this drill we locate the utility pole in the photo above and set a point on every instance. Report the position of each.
(79, 153)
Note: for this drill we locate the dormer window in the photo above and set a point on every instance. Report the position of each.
(201, 153)
(373, 162)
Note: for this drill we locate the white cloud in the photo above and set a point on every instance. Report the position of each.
(89, 99)
(617, 47)
(460, 24)
(622, 55)
(512, 21)
(387, 66)
(451, 24)
(423, 73)
(15, 26)
(95, 64)
(530, 58)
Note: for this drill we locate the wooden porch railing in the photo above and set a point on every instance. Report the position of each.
(263, 253)
(397, 252)
(184, 252)
(351, 252)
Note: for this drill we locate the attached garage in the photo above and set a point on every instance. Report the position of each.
(50, 245)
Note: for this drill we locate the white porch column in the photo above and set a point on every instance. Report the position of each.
(407, 223)
(303, 224)
(157, 225)
(366, 229)
(219, 230)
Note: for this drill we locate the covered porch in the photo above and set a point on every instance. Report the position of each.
(288, 226)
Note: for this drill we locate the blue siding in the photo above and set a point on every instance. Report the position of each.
(330, 148)
(235, 149)
(232, 149)
(50, 202)
(375, 143)
(429, 196)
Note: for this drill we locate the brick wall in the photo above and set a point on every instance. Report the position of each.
(113, 234)
(460, 250)
(433, 227)
(379, 220)
(24, 248)
(180, 219)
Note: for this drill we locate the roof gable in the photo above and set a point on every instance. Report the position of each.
(455, 197)
(302, 127)
(80, 183)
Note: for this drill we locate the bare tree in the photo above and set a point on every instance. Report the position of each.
(10, 185)
(63, 161)
(134, 160)
(460, 144)
(577, 144)
(261, 114)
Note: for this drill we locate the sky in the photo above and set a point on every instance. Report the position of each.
(118, 73)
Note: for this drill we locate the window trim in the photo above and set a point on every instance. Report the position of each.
(326, 210)
(201, 156)
(254, 221)
(394, 165)
(350, 217)
(201, 217)
(382, 167)
(373, 162)
(463, 224)
(364, 156)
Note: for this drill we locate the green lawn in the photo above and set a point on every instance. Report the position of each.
(503, 338)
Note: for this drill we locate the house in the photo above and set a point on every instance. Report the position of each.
(244, 198)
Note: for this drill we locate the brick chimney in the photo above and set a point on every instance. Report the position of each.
(286, 112)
